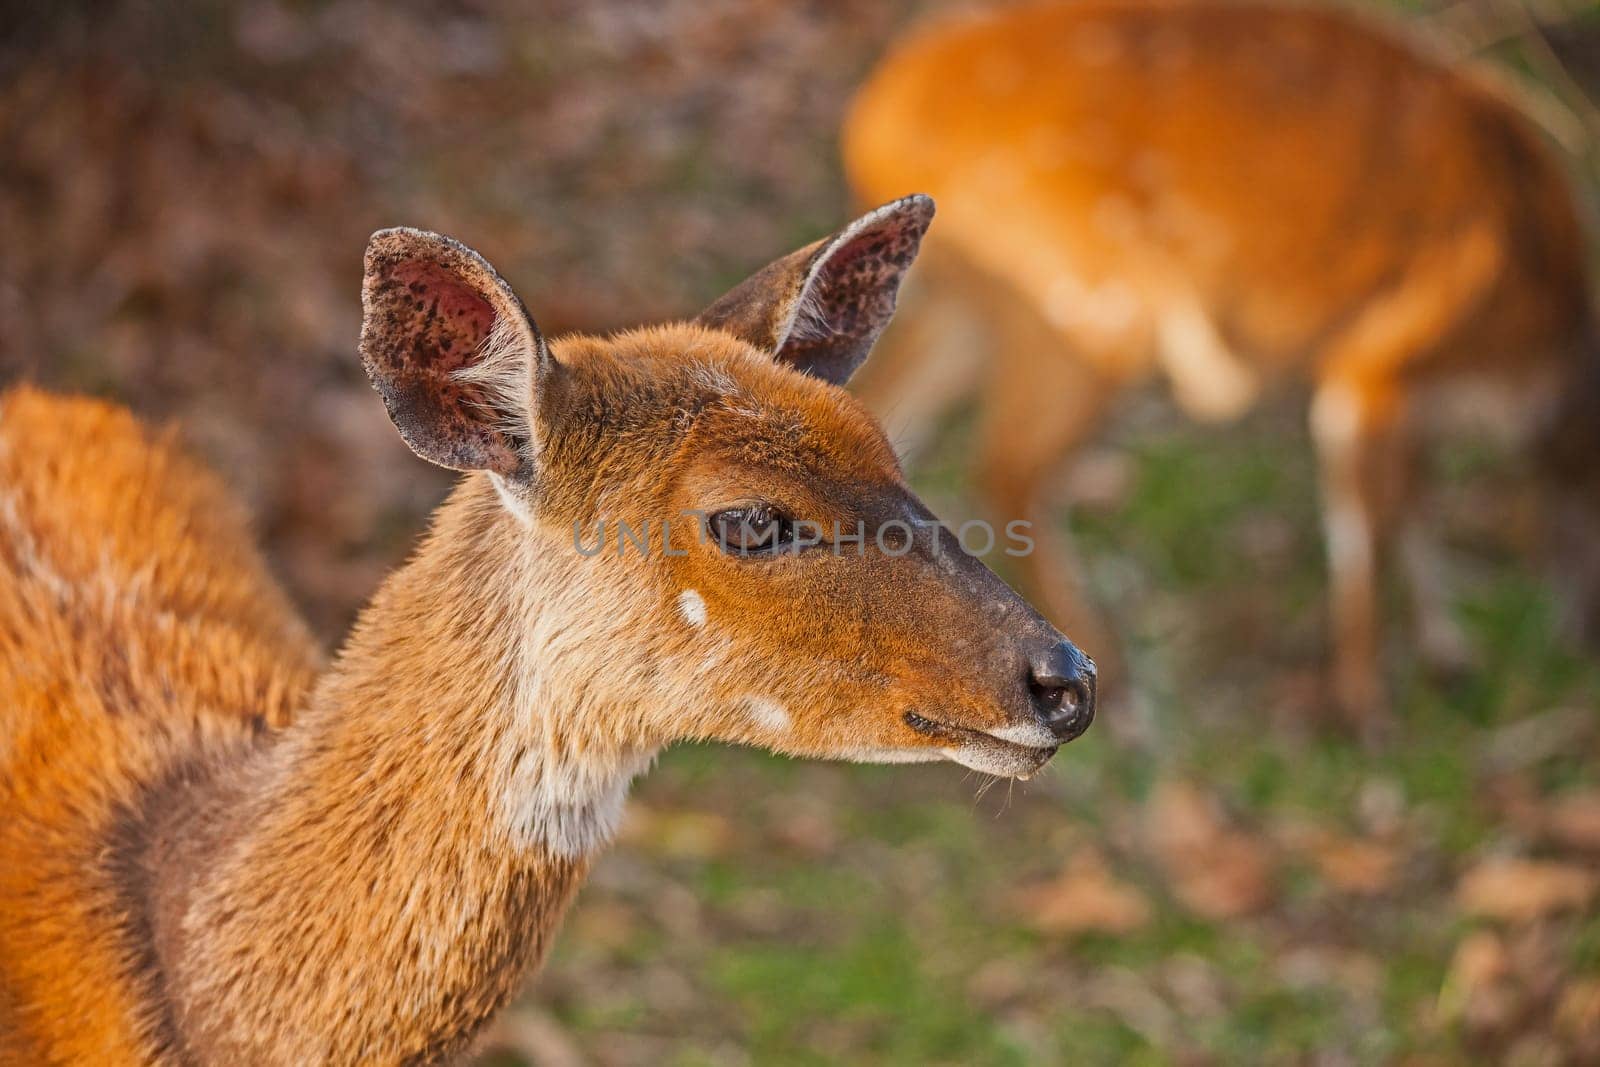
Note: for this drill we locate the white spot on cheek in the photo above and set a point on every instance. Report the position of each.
(769, 714)
(692, 606)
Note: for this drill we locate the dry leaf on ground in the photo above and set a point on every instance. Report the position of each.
(1214, 870)
(1523, 890)
(1578, 1013)
(1573, 820)
(1084, 898)
(1476, 989)
(1569, 820)
(1359, 865)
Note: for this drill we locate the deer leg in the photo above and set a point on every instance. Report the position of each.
(1367, 454)
(1366, 462)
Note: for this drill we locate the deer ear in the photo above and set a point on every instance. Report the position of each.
(821, 309)
(452, 351)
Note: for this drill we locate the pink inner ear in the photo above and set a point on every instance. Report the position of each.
(451, 319)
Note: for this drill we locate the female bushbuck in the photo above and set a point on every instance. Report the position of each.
(1233, 193)
(210, 854)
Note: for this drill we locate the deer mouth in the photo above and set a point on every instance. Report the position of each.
(1008, 757)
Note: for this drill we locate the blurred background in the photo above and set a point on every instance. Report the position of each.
(185, 193)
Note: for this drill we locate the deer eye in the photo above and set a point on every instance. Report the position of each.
(758, 530)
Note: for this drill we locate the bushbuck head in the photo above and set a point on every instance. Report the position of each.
(714, 539)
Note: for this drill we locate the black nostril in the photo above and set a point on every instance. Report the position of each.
(1061, 684)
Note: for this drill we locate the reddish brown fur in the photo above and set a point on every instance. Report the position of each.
(205, 857)
(1241, 191)
(140, 635)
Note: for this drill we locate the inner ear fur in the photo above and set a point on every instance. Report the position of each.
(453, 352)
(821, 309)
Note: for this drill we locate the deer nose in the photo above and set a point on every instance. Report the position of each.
(1061, 685)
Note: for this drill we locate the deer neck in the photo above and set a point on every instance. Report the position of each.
(375, 883)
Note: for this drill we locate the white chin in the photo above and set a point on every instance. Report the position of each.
(1008, 762)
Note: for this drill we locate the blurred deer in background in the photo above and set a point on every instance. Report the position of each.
(210, 854)
(1233, 194)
